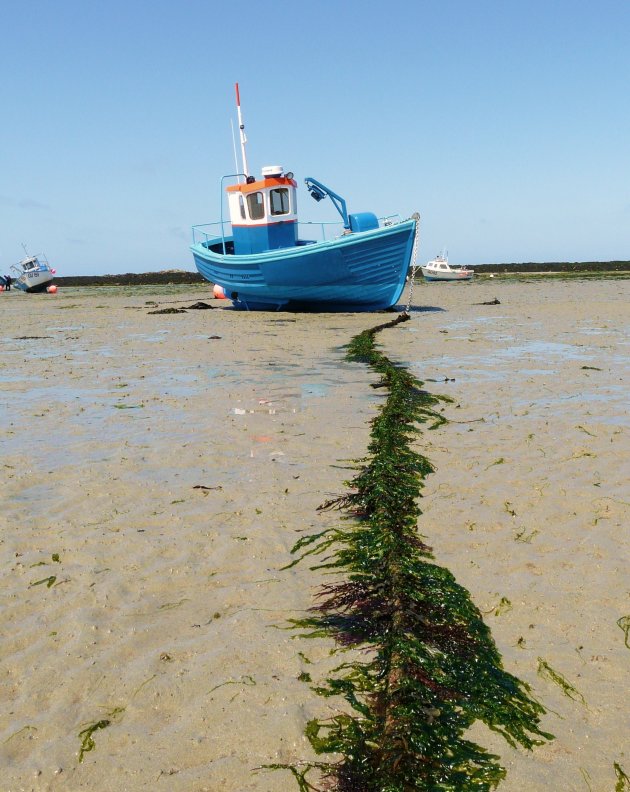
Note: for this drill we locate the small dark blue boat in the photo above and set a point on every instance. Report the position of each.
(262, 263)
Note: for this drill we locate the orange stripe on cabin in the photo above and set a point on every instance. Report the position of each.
(274, 181)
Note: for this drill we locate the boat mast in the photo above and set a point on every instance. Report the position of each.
(234, 148)
(241, 127)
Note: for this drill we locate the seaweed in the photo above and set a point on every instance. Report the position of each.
(521, 536)
(545, 671)
(587, 778)
(85, 735)
(27, 728)
(87, 741)
(49, 581)
(170, 605)
(200, 306)
(244, 680)
(146, 682)
(426, 667)
(504, 606)
(623, 782)
(624, 624)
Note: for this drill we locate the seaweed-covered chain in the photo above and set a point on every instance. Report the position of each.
(432, 668)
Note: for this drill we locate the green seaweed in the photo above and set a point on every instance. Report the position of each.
(49, 581)
(87, 741)
(624, 624)
(623, 782)
(146, 682)
(244, 680)
(587, 778)
(504, 606)
(172, 605)
(521, 536)
(85, 735)
(545, 671)
(54, 557)
(26, 728)
(427, 667)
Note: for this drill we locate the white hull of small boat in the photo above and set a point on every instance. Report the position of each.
(32, 275)
(34, 281)
(440, 270)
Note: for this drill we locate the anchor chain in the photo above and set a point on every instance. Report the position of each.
(414, 267)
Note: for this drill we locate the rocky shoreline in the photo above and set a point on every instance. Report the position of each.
(185, 277)
(132, 279)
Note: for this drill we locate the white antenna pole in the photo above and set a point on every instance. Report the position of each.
(241, 127)
(234, 147)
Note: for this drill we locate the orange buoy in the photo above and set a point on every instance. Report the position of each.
(1, 288)
(219, 293)
(52, 289)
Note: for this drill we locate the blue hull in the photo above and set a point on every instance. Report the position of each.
(363, 271)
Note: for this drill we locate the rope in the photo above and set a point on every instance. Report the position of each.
(414, 267)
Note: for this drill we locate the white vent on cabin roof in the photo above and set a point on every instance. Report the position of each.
(270, 171)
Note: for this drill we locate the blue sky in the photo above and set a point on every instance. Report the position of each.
(505, 124)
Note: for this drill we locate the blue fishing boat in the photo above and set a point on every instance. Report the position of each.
(261, 262)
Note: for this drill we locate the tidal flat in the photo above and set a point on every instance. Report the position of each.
(158, 468)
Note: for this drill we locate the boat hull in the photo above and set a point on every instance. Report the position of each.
(34, 281)
(431, 275)
(364, 271)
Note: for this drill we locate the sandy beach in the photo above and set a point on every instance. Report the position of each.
(158, 467)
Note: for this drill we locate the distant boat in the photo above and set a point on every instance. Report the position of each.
(32, 274)
(262, 264)
(440, 270)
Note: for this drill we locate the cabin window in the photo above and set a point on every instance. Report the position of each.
(256, 206)
(279, 201)
(241, 206)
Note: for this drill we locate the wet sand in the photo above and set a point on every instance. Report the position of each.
(157, 469)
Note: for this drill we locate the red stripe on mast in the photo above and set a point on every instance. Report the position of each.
(238, 97)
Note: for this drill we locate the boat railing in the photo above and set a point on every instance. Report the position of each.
(333, 229)
(390, 220)
(329, 229)
(319, 231)
(211, 232)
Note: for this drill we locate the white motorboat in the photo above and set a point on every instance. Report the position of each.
(32, 274)
(440, 270)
